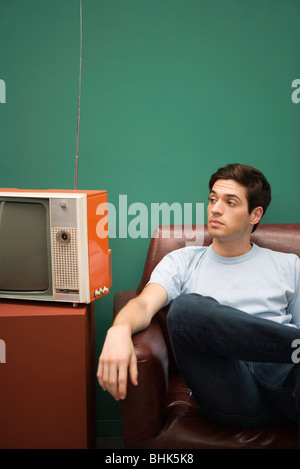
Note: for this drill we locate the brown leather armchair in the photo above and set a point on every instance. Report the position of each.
(159, 413)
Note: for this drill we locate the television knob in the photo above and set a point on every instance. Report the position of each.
(63, 237)
(101, 291)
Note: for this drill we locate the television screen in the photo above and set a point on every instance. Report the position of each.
(23, 246)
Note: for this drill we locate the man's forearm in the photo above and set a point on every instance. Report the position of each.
(138, 312)
(134, 315)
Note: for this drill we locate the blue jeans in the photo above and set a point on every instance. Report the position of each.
(238, 367)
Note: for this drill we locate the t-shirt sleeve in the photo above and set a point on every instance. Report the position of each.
(294, 305)
(171, 272)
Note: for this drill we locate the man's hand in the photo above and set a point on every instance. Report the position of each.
(117, 358)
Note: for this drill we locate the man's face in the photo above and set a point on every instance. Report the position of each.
(228, 216)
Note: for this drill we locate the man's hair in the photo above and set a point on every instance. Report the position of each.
(258, 190)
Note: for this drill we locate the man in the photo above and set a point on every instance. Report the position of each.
(233, 317)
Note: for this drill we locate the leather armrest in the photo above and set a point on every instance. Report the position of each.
(142, 410)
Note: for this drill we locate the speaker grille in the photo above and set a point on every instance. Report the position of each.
(64, 259)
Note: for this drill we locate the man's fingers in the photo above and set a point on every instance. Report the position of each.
(116, 361)
(133, 371)
(122, 381)
(100, 375)
(111, 380)
(112, 377)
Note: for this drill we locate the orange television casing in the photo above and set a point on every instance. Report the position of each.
(77, 247)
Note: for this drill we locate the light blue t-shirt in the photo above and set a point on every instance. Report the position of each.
(262, 282)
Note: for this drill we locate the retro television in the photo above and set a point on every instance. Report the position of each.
(52, 247)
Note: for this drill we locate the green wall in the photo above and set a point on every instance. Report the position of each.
(171, 90)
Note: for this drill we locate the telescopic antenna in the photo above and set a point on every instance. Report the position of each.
(78, 112)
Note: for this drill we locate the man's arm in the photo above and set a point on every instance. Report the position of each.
(118, 355)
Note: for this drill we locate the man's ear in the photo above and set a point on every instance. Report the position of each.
(256, 215)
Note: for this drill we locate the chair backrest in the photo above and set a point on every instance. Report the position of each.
(278, 237)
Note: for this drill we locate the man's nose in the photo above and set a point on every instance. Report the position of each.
(217, 207)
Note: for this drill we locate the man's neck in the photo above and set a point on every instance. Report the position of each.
(232, 248)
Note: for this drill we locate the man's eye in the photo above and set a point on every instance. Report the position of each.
(211, 199)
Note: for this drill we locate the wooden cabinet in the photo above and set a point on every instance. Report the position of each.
(47, 375)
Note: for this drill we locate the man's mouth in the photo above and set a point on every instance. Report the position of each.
(215, 222)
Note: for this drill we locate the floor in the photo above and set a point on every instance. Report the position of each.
(110, 442)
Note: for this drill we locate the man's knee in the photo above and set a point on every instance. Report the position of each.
(187, 308)
(176, 310)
